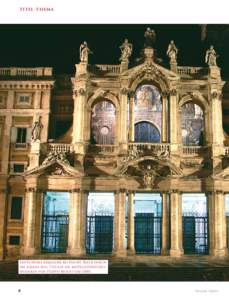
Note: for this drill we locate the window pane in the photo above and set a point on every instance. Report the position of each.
(14, 240)
(16, 208)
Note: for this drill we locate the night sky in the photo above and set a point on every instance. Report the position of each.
(57, 46)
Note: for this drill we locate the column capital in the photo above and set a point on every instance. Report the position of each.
(124, 91)
(165, 94)
(173, 92)
(131, 93)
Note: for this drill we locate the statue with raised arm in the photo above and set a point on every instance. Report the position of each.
(172, 52)
(210, 57)
(36, 130)
(150, 37)
(126, 50)
(84, 52)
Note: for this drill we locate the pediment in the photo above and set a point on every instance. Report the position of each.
(55, 168)
(223, 174)
(153, 69)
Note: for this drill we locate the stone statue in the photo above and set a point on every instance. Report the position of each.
(210, 57)
(172, 52)
(36, 130)
(150, 37)
(84, 52)
(148, 177)
(126, 50)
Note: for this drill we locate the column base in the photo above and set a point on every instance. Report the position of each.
(131, 252)
(76, 252)
(165, 252)
(119, 253)
(219, 252)
(29, 251)
(176, 253)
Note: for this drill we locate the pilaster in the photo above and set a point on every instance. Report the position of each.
(165, 224)
(123, 120)
(131, 239)
(176, 248)
(217, 224)
(131, 117)
(3, 214)
(120, 224)
(77, 223)
(173, 120)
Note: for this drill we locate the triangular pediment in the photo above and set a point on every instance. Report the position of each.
(54, 168)
(153, 68)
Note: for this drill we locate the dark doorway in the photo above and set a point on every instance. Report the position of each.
(147, 233)
(99, 234)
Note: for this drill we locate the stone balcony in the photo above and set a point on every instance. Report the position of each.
(190, 72)
(26, 72)
(109, 70)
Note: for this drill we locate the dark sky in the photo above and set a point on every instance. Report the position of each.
(58, 45)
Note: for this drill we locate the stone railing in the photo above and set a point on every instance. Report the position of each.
(59, 147)
(190, 70)
(108, 69)
(149, 147)
(102, 149)
(25, 72)
(194, 150)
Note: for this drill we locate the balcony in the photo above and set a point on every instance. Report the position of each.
(194, 150)
(103, 149)
(186, 71)
(105, 69)
(25, 72)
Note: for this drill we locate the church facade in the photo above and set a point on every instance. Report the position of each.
(141, 167)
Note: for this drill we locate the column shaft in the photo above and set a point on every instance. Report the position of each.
(217, 224)
(176, 249)
(131, 119)
(120, 224)
(165, 225)
(3, 195)
(30, 246)
(130, 245)
(164, 119)
(173, 118)
(77, 224)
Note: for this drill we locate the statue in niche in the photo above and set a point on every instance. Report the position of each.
(148, 177)
(172, 52)
(150, 37)
(126, 50)
(210, 57)
(36, 130)
(84, 52)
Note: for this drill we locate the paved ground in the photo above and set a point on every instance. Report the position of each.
(140, 268)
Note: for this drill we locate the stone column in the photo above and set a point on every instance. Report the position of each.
(78, 120)
(164, 118)
(131, 117)
(131, 236)
(6, 143)
(165, 225)
(29, 232)
(217, 224)
(3, 214)
(217, 124)
(37, 99)
(173, 120)
(176, 247)
(77, 223)
(120, 224)
(123, 129)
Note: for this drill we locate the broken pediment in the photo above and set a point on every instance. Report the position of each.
(54, 168)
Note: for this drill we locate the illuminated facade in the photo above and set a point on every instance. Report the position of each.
(117, 160)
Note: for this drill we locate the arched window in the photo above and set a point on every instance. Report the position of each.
(146, 132)
(103, 123)
(148, 111)
(192, 124)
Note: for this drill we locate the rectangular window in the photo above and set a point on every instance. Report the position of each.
(21, 135)
(14, 240)
(24, 99)
(18, 168)
(16, 208)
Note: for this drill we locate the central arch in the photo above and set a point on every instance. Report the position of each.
(146, 132)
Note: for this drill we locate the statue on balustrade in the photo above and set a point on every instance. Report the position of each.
(36, 131)
(210, 57)
(172, 52)
(84, 52)
(150, 37)
(126, 50)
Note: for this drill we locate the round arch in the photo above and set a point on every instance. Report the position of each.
(146, 132)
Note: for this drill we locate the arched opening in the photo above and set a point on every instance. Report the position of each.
(103, 123)
(192, 124)
(145, 132)
(147, 111)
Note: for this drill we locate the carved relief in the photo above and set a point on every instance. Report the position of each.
(56, 156)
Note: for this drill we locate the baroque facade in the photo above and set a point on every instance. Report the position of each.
(144, 138)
